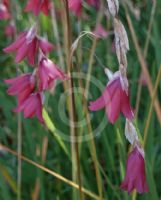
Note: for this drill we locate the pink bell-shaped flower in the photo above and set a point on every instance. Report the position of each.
(135, 172)
(48, 72)
(114, 99)
(37, 6)
(22, 86)
(27, 46)
(32, 106)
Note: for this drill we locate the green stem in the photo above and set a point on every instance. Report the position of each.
(72, 111)
(151, 106)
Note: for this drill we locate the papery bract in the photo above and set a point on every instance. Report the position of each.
(135, 173)
(48, 72)
(114, 99)
(37, 6)
(32, 106)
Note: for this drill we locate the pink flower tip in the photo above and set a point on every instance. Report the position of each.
(37, 6)
(135, 177)
(4, 13)
(32, 106)
(100, 31)
(115, 100)
(27, 45)
(48, 73)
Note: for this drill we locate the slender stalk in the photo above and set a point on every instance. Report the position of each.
(151, 106)
(36, 192)
(143, 65)
(91, 143)
(91, 58)
(19, 150)
(150, 27)
(56, 34)
(145, 53)
(92, 146)
(56, 175)
(19, 119)
(138, 97)
(72, 111)
(90, 65)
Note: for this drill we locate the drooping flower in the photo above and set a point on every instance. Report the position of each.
(135, 172)
(4, 13)
(48, 72)
(44, 45)
(100, 31)
(37, 6)
(114, 99)
(32, 106)
(22, 86)
(27, 46)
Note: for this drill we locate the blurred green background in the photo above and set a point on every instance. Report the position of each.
(111, 145)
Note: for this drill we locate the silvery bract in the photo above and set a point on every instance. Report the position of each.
(123, 78)
(130, 132)
(109, 73)
(113, 6)
(121, 42)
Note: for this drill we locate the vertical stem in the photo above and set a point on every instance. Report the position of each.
(143, 65)
(19, 119)
(19, 150)
(91, 58)
(56, 34)
(92, 146)
(151, 106)
(72, 111)
(145, 52)
(90, 65)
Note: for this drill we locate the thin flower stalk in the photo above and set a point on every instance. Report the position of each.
(76, 172)
(135, 168)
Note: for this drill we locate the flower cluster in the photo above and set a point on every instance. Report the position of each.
(29, 88)
(115, 99)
